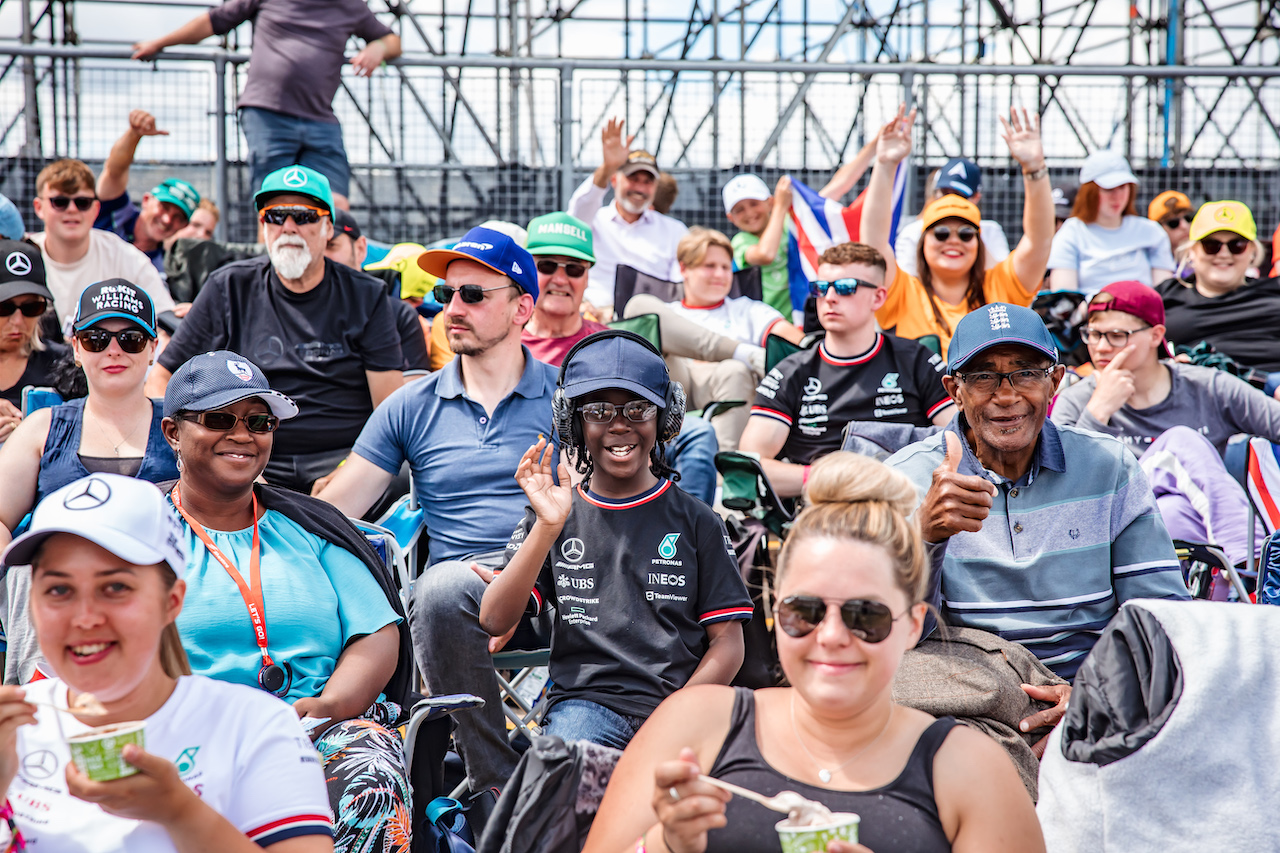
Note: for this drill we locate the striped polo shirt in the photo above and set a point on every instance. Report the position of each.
(1062, 549)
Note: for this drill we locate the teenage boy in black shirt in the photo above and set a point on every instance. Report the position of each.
(644, 582)
(855, 374)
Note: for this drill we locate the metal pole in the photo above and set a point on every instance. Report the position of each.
(513, 80)
(31, 110)
(221, 189)
(908, 98)
(565, 123)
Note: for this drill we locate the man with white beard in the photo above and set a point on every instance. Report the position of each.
(629, 231)
(322, 333)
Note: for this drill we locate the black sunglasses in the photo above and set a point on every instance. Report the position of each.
(96, 340)
(28, 309)
(1174, 221)
(966, 233)
(1235, 247)
(301, 214)
(637, 411)
(226, 421)
(869, 621)
(573, 270)
(470, 293)
(82, 202)
(843, 286)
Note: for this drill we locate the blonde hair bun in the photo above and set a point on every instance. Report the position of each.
(845, 478)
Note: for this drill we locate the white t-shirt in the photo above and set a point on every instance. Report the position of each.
(648, 244)
(1101, 256)
(241, 750)
(744, 319)
(108, 257)
(994, 242)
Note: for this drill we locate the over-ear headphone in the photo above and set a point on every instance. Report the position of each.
(570, 432)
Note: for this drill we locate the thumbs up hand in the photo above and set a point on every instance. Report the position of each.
(955, 502)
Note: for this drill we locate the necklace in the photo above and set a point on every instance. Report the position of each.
(116, 447)
(824, 774)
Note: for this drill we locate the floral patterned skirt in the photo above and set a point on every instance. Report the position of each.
(368, 783)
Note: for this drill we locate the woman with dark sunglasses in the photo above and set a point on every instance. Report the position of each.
(115, 429)
(850, 585)
(950, 258)
(1218, 300)
(26, 360)
(287, 596)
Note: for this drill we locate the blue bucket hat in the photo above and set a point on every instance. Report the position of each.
(994, 324)
(489, 248)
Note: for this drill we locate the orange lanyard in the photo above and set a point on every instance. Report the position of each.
(252, 595)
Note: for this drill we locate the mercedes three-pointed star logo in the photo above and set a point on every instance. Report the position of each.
(94, 494)
(18, 263)
(573, 549)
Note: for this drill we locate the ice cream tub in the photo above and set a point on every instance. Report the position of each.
(813, 838)
(97, 751)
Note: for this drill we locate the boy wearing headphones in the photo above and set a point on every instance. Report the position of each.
(643, 579)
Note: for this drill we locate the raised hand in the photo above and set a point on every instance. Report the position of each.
(550, 501)
(782, 193)
(1022, 134)
(893, 143)
(143, 123)
(955, 502)
(614, 145)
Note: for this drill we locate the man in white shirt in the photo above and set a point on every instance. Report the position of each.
(629, 231)
(76, 254)
(957, 177)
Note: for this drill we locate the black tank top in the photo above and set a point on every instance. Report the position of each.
(900, 817)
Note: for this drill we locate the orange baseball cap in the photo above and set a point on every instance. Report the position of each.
(1169, 201)
(948, 207)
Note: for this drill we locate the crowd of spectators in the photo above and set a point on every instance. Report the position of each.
(568, 487)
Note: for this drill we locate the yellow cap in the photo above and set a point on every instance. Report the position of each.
(1231, 216)
(414, 280)
(948, 207)
(1169, 201)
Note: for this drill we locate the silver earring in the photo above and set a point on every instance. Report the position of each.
(178, 458)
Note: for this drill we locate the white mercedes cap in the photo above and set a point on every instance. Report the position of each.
(743, 187)
(126, 516)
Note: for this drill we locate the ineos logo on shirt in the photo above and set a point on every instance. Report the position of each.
(294, 178)
(18, 263)
(573, 550)
(40, 764)
(94, 494)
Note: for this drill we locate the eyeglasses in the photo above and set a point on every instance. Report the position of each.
(470, 293)
(570, 269)
(843, 286)
(96, 340)
(966, 233)
(28, 309)
(302, 214)
(1235, 247)
(1115, 337)
(1174, 221)
(989, 381)
(869, 621)
(637, 411)
(259, 422)
(82, 202)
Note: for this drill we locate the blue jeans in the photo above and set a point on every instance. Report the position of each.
(277, 140)
(580, 719)
(693, 454)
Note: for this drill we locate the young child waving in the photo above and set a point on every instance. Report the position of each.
(646, 588)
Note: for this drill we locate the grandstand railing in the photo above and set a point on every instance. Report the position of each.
(427, 162)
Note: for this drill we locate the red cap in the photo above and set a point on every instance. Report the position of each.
(1131, 297)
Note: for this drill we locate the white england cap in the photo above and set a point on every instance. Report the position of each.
(744, 187)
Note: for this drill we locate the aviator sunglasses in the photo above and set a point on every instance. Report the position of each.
(96, 340)
(869, 621)
(966, 233)
(570, 269)
(28, 309)
(82, 202)
(226, 421)
(637, 411)
(302, 214)
(1235, 247)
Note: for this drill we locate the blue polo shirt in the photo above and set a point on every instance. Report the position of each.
(463, 460)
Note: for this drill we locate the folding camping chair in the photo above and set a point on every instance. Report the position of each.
(1262, 482)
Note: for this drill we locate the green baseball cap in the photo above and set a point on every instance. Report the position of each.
(295, 180)
(560, 234)
(178, 193)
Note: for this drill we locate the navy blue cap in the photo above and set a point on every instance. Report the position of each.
(489, 248)
(615, 361)
(960, 176)
(995, 324)
(118, 299)
(216, 379)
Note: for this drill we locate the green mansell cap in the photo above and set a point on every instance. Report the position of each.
(560, 234)
(178, 192)
(295, 180)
